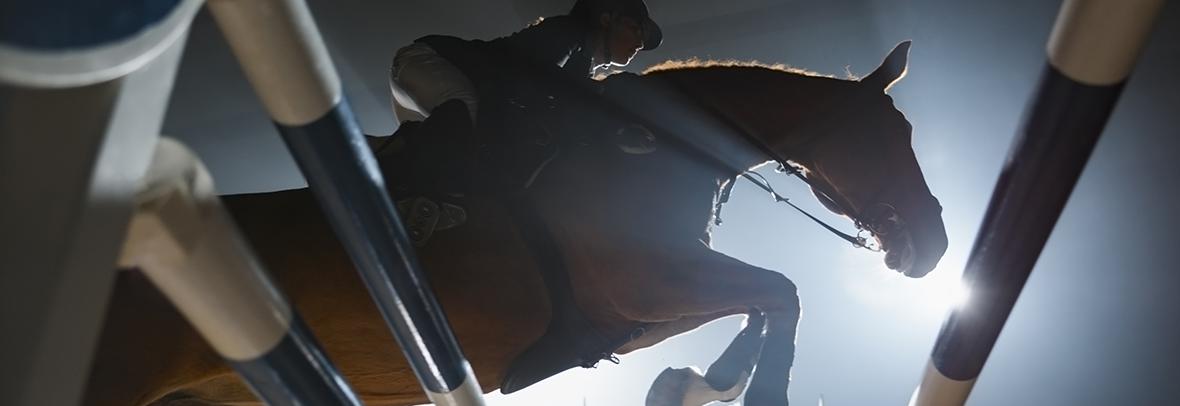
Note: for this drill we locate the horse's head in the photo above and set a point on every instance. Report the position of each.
(861, 165)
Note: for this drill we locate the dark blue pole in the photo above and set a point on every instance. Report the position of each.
(344, 176)
(185, 242)
(296, 372)
(287, 63)
(1091, 52)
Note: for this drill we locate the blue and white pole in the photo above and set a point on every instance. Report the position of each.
(285, 59)
(83, 89)
(1091, 52)
(185, 242)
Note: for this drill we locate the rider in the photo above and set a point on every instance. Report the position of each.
(439, 80)
(595, 33)
(437, 83)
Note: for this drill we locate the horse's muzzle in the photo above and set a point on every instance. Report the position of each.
(926, 243)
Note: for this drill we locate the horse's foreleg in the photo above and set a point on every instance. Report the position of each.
(725, 379)
(734, 365)
(769, 384)
(710, 285)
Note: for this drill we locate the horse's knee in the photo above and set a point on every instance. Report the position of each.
(785, 294)
(648, 308)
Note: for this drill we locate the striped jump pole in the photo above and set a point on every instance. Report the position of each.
(1091, 51)
(285, 60)
(184, 241)
(83, 88)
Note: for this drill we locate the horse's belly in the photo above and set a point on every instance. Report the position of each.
(486, 285)
(492, 296)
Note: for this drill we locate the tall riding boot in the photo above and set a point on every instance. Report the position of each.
(442, 149)
(430, 157)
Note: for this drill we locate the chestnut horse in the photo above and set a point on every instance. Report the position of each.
(629, 228)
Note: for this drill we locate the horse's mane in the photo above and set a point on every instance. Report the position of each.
(695, 63)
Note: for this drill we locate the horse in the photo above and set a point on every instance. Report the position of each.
(630, 229)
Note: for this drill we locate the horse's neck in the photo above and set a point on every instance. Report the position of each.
(779, 109)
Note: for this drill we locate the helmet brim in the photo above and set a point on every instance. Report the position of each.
(652, 34)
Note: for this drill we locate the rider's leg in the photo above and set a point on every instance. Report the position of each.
(421, 80)
(404, 114)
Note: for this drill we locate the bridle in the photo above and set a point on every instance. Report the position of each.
(858, 218)
(858, 241)
(862, 226)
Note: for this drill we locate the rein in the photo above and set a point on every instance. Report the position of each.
(857, 241)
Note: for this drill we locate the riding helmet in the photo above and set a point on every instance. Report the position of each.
(636, 9)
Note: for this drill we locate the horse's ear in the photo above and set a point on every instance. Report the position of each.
(891, 70)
